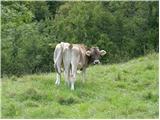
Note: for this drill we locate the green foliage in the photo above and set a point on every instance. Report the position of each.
(133, 95)
(31, 29)
(121, 28)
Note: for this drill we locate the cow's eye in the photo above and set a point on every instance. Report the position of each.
(93, 57)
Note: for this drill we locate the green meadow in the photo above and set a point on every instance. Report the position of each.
(125, 90)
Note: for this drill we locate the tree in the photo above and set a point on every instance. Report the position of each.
(124, 29)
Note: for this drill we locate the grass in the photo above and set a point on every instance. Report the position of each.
(126, 90)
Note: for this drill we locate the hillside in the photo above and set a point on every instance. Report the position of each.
(126, 90)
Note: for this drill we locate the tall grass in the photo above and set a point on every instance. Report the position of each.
(126, 90)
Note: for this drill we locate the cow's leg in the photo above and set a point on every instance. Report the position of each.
(73, 75)
(58, 78)
(72, 80)
(66, 75)
(83, 75)
(66, 61)
(74, 63)
(58, 75)
(58, 70)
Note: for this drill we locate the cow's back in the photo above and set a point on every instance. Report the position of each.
(66, 53)
(78, 55)
(58, 55)
(59, 49)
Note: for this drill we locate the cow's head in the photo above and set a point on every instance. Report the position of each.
(94, 54)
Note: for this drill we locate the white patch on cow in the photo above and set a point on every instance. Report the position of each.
(96, 62)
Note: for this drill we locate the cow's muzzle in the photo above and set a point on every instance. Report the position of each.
(96, 62)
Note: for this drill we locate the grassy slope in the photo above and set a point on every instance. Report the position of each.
(128, 90)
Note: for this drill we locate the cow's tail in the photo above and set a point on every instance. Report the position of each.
(57, 69)
(70, 65)
(70, 46)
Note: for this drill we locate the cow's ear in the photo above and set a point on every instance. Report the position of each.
(88, 53)
(102, 52)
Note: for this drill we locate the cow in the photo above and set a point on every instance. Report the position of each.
(72, 57)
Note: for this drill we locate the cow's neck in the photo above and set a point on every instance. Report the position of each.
(88, 60)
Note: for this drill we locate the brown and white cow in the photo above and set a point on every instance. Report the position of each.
(72, 57)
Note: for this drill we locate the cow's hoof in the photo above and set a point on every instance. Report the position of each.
(72, 88)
